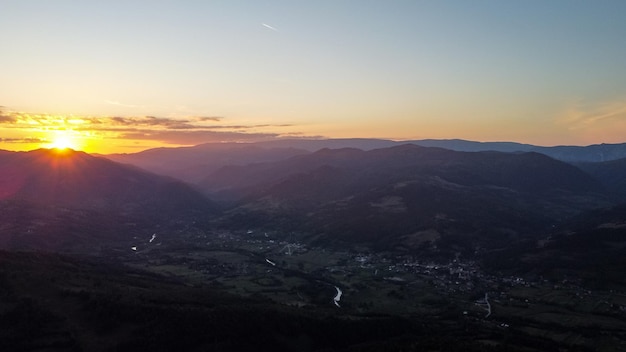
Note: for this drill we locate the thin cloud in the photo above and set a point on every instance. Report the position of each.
(117, 103)
(300, 135)
(245, 127)
(7, 119)
(197, 137)
(127, 128)
(150, 121)
(183, 131)
(608, 112)
(580, 117)
(210, 118)
(22, 140)
(269, 27)
(29, 120)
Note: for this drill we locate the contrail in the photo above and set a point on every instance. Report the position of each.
(270, 27)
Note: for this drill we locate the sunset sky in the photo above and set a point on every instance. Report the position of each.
(122, 76)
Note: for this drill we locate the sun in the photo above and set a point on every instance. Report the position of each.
(63, 141)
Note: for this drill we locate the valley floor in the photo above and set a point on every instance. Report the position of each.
(269, 266)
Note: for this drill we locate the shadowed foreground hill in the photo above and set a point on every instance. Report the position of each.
(46, 195)
(395, 196)
(590, 249)
(56, 303)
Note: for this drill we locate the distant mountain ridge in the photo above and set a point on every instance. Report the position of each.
(192, 164)
(398, 160)
(590, 153)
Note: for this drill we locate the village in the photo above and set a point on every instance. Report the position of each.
(277, 267)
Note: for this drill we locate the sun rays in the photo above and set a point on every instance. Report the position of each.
(64, 140)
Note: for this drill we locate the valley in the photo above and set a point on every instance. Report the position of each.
(267, 266)
(403, 247)
(313, 176)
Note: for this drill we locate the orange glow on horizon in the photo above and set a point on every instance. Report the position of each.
(24, 131)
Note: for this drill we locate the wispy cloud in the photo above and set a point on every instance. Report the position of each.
(117, 103)
(22, 140)
(210, 118)
(269, 27)
(593, 123)
(196, 137)
(300, 135)
(6, 118)
(581, 116)
(152, 121)
(188, 130)
(23, 120)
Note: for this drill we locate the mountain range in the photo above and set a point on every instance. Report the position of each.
(435, 197)
(402, 196)
(406, 196)
(192, 164)
(426, 247)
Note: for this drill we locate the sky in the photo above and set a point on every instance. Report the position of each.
(123, 76)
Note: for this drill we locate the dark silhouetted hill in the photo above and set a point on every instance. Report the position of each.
(58, 303)
(588, 250)
(50, 196)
